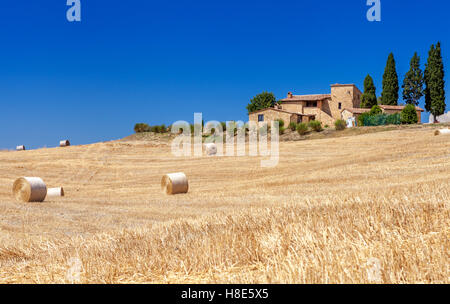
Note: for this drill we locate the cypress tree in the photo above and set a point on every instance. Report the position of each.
(434, 82)
(389, 96)
(426, 75)
(369, 97)
(413, 82)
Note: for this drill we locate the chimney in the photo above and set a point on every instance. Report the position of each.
(289, 95)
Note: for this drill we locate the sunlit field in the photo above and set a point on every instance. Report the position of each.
(370, 208)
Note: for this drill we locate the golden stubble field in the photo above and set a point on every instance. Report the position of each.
(372, 208)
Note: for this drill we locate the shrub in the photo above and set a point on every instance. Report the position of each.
(154, 129)
(141, 127)
(326, 126)
(382, 119)
(375, 110)
(281, 130)
(315, 125)
(361, 118)
(409, 115)
(340, 125)
(302, 128)
(393, 119)
(292, 126)
(163, 128)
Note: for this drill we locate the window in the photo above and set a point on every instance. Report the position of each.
(340, 105)
(261, 117)
(311, 104)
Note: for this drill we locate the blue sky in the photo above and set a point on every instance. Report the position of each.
(161, 61)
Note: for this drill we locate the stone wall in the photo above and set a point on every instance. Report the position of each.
(293, 107)
(271, 115)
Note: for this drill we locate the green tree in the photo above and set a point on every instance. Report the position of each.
(389, 96)
(375, 110)
(141, 127)
(429, 66)
(409, 114)
(434, 82)
(261, 101)
(369, 97)
(413, 82)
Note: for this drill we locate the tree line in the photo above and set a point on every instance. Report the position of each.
(416, 84)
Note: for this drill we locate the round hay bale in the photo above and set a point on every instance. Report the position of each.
(29, 189)
(174, 183)
(211, 149)
(20, 148)
(55, 192)
(64, 143)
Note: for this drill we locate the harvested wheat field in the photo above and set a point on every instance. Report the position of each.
(371, 208)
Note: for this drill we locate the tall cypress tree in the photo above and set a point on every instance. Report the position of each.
(413, 82)
(434, 82)
(428, 67)
(389, 96)
(429, 70)
(369, 97)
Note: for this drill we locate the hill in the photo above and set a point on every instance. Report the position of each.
(354, 209)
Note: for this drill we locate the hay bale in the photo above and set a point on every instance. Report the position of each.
(211, 149)
(64, 143)
(442, 132)
(174, 183)
(29, 189)
(20, 148)
(55, 192)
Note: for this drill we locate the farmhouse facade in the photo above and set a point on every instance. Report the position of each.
(342, 103)
(326, 108)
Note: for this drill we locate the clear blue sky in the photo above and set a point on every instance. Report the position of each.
(161, 61)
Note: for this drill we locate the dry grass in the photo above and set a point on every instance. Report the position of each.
(328, 209)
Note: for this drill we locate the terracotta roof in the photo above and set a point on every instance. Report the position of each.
(386, 107)
(357, 110)
(315, 97)
(283, 111)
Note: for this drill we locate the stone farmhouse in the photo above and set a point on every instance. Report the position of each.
(342, 103)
